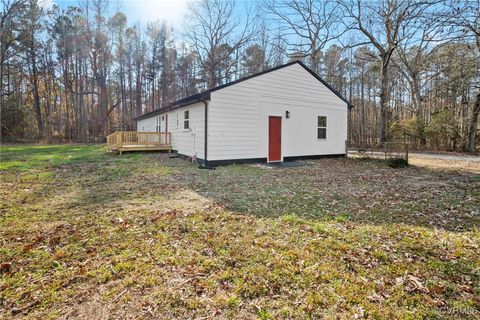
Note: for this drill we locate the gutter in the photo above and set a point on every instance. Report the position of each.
(205, 144)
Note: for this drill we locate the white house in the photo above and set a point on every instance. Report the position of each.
(280, 114)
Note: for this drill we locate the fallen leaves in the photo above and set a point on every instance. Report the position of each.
(411, 283)
(166, 240)
(28, 247)
(437, 289)
(476, 300)
(5, 267)
(415, 284)
(375, 297)
(25, 308)
(433, 302)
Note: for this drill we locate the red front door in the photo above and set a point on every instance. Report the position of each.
(274, 139)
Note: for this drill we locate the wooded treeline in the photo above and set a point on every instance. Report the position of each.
(411, 68)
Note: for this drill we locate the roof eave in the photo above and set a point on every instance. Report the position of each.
(199, 97)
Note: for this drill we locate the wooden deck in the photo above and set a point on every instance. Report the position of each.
(122, 141)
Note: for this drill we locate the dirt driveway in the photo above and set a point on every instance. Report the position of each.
(468, 163)
(449, 161)
(446, 156)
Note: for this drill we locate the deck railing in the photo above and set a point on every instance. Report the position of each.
(136, 139)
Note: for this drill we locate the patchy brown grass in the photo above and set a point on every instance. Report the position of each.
(91, 236)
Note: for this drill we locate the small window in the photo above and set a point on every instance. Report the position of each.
(186, 120)
(322, 127)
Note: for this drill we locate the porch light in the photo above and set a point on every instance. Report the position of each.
(287, 114)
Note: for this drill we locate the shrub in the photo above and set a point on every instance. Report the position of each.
(397, 163)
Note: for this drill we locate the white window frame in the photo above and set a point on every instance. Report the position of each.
(324, 127)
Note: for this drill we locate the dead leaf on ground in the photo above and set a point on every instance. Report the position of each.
(5, 267)
(415, 284)
(438, 289)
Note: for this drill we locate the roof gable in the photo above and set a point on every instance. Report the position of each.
(205, 95)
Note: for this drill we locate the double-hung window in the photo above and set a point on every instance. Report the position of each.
(322, 127)
(186, 119)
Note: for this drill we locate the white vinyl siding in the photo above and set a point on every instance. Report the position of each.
(147, 125)
(189, 141)
(238, 116)
(186, 141)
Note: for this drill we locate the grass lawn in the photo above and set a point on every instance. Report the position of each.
(89, 235)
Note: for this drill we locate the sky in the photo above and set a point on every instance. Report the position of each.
(139, 11)
(144, 10)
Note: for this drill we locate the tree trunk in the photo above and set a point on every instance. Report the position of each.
(384, 100)
(472, 130)
(362, 128)
(130, 95)
(212, 78)
(1, 76)
(81, 105)
(36, 95)
(48, 126)
(416, 101)
(138, 92)
(103, 103)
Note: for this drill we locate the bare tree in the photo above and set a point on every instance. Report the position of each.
(310, 24)
(30, 33)
(101, 60)
(139, 62)
(94, 72)
(413, 55)
(216, 32)
(381, 23)
(9, 27)
(464, 18)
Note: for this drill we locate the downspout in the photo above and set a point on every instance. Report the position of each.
(205, 144)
